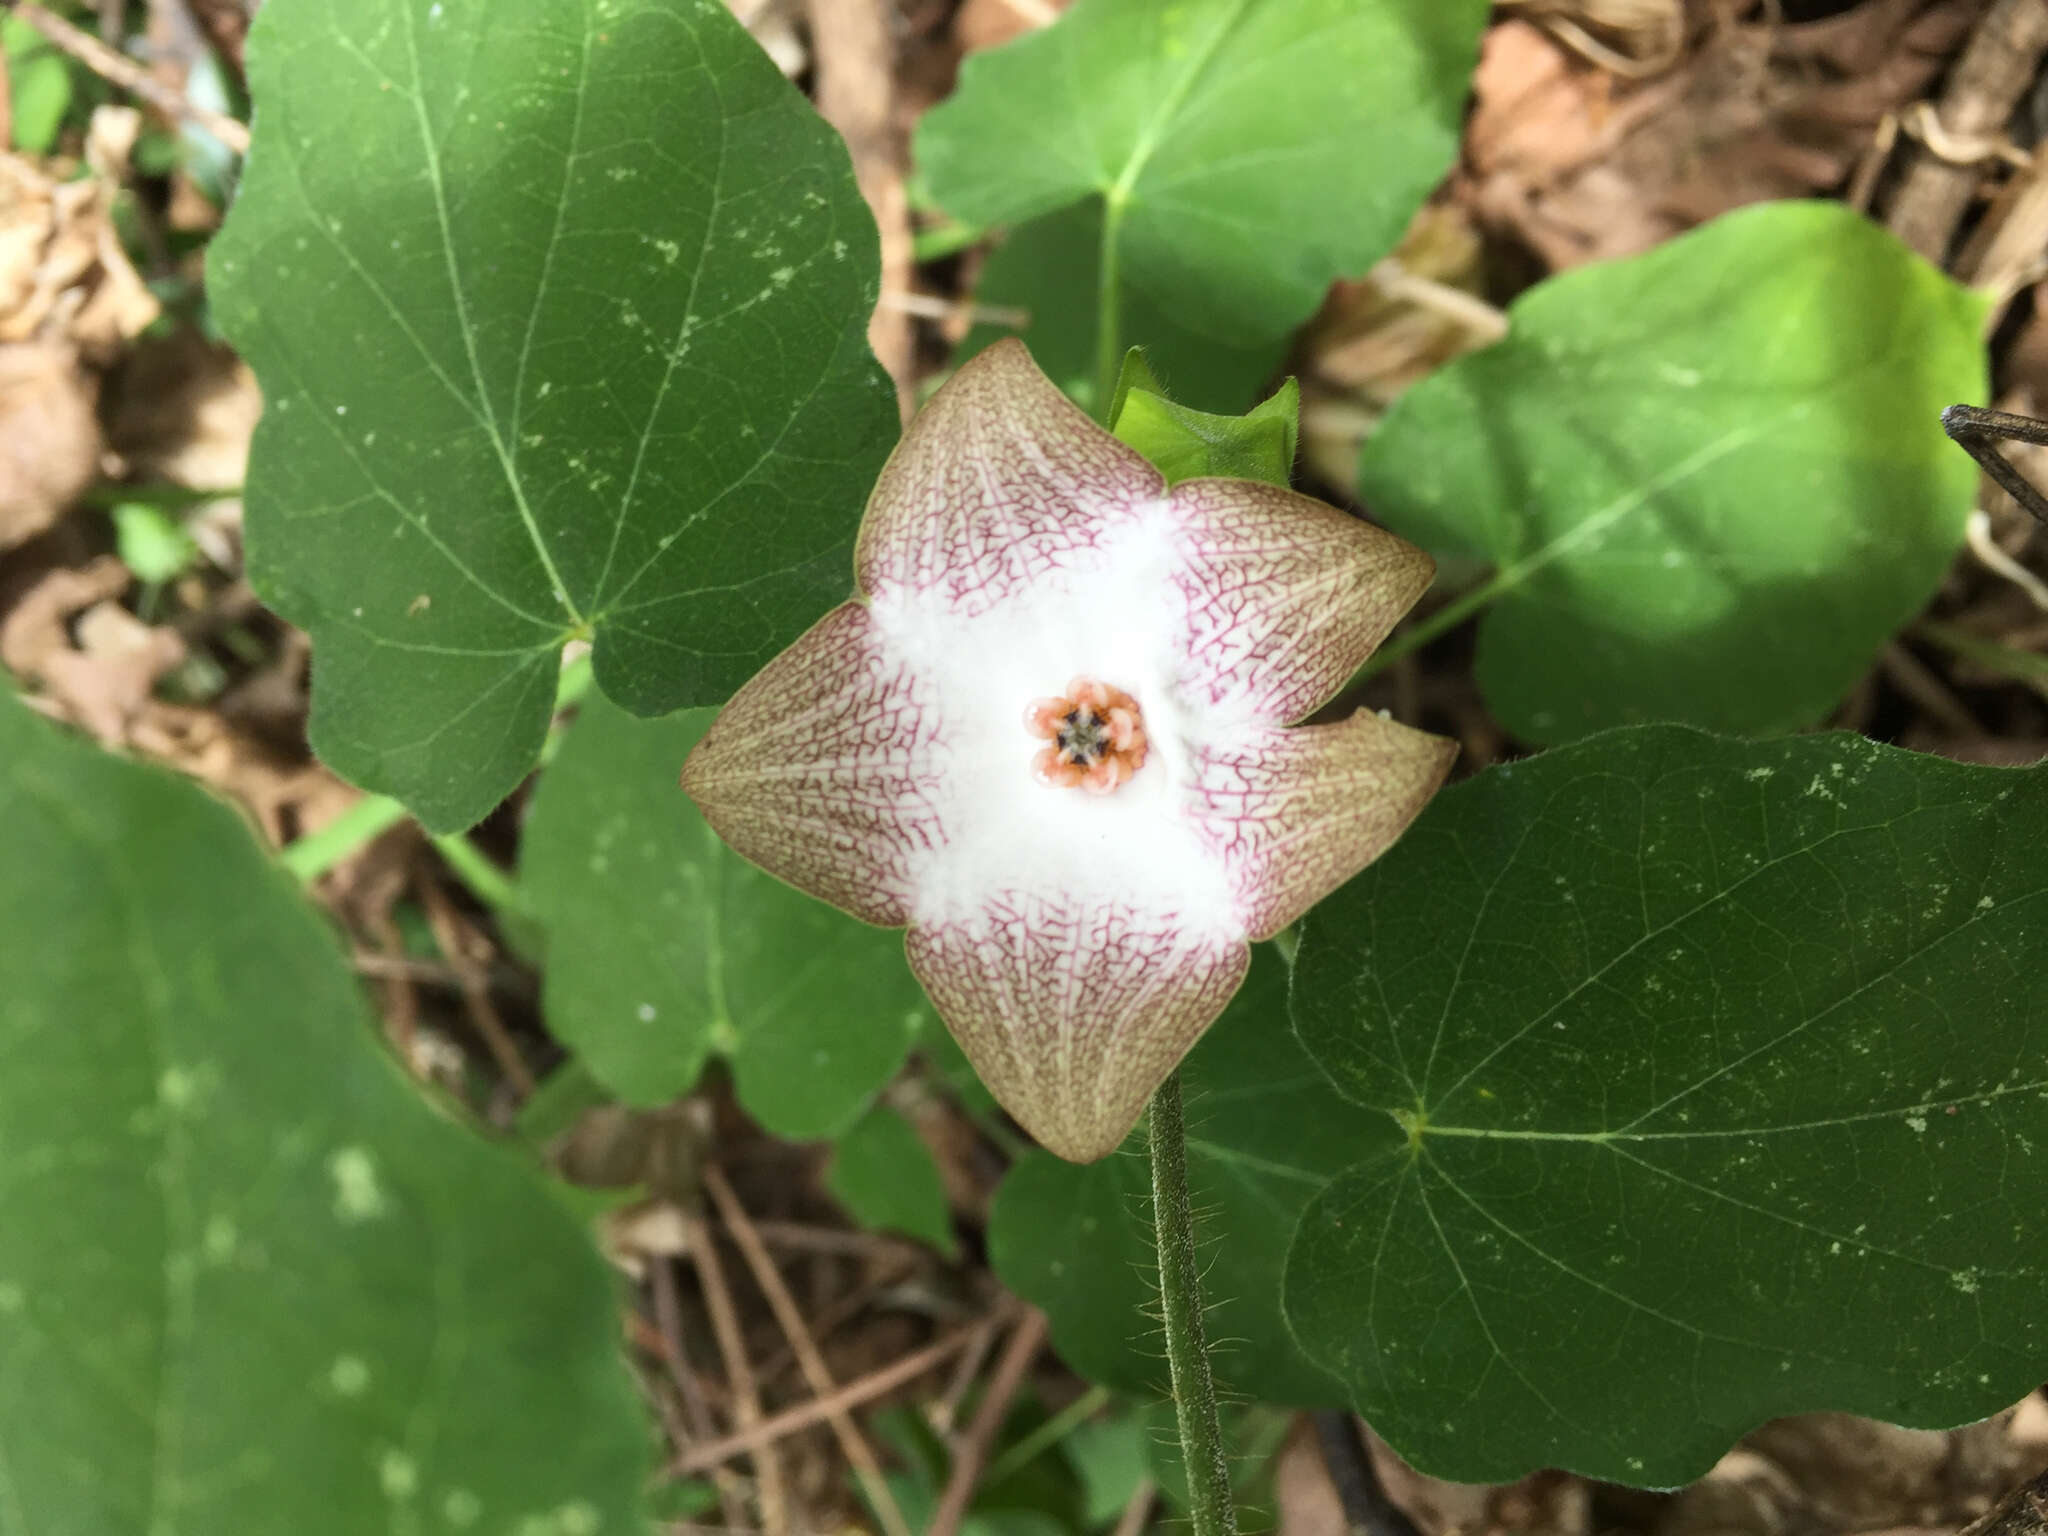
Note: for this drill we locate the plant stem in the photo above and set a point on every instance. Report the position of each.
(358, 826)
(1187, 1349)
(1109, 341)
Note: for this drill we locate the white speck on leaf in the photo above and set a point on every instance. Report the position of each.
(398, 1475)
(349, 1376)
(358, 1194)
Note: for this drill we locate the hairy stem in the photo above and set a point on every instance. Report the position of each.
(1109, 341)
(1187, 1350)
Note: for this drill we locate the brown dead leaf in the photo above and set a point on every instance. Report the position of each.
(49, 437)
(103, 680)
(991, 23)
(63, 273)
(1580, 165)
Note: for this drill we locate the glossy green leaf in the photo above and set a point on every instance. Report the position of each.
(883, 1173)
(1712, 478)
(38, 86)
(562, 328)
(665, 948)
(1043, 275)
(1238, 154)
(249, 1280)
(1710, 1087)
(1265, 1132)
(1184, 444)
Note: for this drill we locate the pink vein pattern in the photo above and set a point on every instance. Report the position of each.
(1286, 597)
(1294, 814)
(998, 482)
(822, 770)
(1073, 1013)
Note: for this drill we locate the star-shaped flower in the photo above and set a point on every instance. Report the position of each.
(1052, 734)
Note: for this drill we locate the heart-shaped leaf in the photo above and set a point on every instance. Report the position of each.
(666, 948)
(1265, 1133)
(1711, 1088)
(561, 327)
(249, 1280)
(1712, 479)
(1240, 154)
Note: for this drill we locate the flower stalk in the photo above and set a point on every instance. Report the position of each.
(1187, 1346)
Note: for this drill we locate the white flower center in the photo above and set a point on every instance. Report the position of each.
(1108, 615)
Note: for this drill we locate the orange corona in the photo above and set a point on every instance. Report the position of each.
(1096, 735)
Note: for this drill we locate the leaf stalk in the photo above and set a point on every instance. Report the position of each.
(1187, 1349)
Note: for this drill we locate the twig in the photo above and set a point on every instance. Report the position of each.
(1919, 682)
(1993, 73)
(1139, 1510)
(1468, 310)
(1978, 432)
(131, 77)
(447, 927)
(851, 1441)
(767, 1431)
(972, 1452)
(930, 306)
(668, 1316)
(1367, 1509)
(2023, 1512)
(739, 1373)
(1978, 532)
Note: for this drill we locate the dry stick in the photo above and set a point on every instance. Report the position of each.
(783, 1305)
(1368, 1511)
(856, 93)
(476, 988)
(739, 1373)
(1997, 65)
(130, 76)
(972, 1453)
(668, 1316)
(1139, 1510)
(751, 1440)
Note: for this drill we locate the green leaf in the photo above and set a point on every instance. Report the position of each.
(1711, 1089)
(1046, 272)
(883, 1173)
(665, 948)
(152, 543)
(1711, 482)
(1265, 1133)
(249, 1280)
(38, 84)
(571, 340)
(1242, 153)
(1184, 444)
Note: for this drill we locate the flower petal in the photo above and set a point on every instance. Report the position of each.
(1286, 597)
(1296, 813)
(997, 480)
(1073, 1012)
(822, 770)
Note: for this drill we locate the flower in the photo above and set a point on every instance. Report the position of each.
(1052, 734)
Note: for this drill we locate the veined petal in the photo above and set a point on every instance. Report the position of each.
(998, 480)
(1296, 813)
(1285, 597)
(822, 770)
(1074, 1011)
